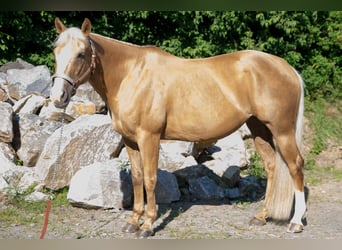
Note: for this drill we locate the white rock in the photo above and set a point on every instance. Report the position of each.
(108, 185)
(87, 93)
(188, 162)
(37, 196)
(7, 157)
(17, 179)
(101, 185)
(88, 139)
(78, 107)
(26, 81)
(172, 154)
(29, 141)
(6, 164)
(6, 126)
(228, 151)
(30, 104)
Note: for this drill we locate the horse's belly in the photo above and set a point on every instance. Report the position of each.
(204, 125)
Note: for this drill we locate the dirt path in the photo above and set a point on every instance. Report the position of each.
(184, 220)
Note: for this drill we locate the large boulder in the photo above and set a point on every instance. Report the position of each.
(51, 113)
(186, 174)
(3, 95)
(31, 135)
(6, 125)
(13, 179)
(204, 188)
(17, 179)
(231, 176)
(172, 154)
(22, 82)
(228, 151)
(101, 185)
(79, 106)
(7, 157)
(86, 93)
(108, 185)
(88, 139)
(30, 104)
(167, 189)
(17, 64)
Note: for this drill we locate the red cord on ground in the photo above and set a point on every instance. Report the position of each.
(46, 220)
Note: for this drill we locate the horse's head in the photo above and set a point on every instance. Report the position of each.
(74, 61)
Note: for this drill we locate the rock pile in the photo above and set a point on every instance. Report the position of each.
(90, 158)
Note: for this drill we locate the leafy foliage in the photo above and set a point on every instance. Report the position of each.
(256, 167)
(311, 41)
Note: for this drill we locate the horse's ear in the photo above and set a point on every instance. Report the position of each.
(59, 25)
(86, 27)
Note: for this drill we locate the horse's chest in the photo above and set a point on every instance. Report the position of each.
(124, 124)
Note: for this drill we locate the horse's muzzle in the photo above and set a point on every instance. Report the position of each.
(61, 92)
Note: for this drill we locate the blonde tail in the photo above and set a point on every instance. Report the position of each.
(281, 194)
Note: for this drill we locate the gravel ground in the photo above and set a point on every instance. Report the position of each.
(191, 220)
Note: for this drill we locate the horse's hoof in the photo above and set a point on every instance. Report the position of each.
(130, 228)
(143, 233)
(257, 221)
(294, 228)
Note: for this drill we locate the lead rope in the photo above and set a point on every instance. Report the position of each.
(48, 205)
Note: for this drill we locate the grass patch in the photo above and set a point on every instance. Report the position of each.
(21, 211)
(315, 174)
(325, 121)
(60, 197)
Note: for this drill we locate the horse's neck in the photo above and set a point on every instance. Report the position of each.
(113, 63)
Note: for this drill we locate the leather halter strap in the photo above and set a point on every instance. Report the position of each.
(76, 83)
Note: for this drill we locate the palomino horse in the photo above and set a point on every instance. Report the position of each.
(153, 95)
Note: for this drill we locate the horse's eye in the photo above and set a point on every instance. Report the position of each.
(80, 55)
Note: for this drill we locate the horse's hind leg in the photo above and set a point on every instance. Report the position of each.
(263, 141)
(287, 145)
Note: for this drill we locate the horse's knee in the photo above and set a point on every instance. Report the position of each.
(137, 178)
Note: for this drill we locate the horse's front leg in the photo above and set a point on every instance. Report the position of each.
(137, 171)
(149, 150)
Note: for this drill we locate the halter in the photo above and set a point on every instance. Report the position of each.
(90, 71)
